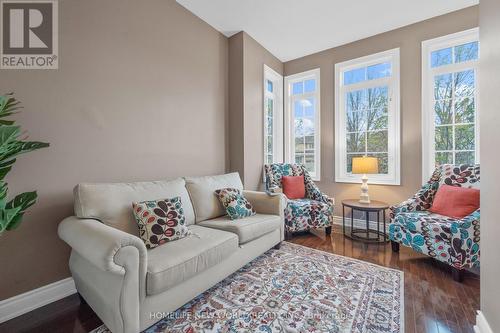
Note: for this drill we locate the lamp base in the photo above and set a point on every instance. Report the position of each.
(364, 197)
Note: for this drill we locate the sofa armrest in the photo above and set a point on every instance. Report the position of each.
(101, 244)
(116, 258)
(266, 203)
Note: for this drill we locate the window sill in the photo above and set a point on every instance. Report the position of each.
(371, 181)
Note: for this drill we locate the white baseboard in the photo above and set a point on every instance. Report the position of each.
(482, 325)
(33, 299)
(359, 223)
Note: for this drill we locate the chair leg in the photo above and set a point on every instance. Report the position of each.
(288, 235)
(328, 230)
(395, 246)
(277, 246)
(457, 274)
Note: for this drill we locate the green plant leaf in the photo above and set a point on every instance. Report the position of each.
(11, 149)
(3, 194)
(8, 105)
(15, 221)
(12, 212)
(5, 167)
(9, 134)
(15, 208)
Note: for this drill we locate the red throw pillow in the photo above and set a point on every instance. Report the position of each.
(454, 201)
(293, 187)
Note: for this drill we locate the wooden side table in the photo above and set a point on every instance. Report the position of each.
(366, 235)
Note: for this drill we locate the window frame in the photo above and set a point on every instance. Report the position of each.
(290, 118)
(277, 96)
(428, 74)
(393, 111)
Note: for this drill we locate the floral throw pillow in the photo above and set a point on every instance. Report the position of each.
(236, 205)
(160, 221)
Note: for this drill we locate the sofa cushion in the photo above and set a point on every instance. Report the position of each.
(202, 192)
(111, 203)
(248, 228)
(175, 262)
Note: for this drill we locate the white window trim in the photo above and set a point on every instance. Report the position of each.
(428, 128)
(277, 79)
(290, 120)
(393, 130)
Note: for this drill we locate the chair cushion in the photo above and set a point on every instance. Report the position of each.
(294, 187)
(414, 228)
(309, 204)
(454, 201)
(305, 214)
(175, 262)
(202, 193)
(248, 228)
(111, 203)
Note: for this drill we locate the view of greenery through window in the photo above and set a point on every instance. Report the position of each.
(367, 117)
(455, 105)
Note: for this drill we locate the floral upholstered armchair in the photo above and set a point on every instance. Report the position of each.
(312, 212)
(452, 241)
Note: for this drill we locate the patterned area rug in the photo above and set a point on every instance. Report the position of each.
(296, 289)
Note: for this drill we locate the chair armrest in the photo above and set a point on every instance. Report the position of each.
(266, 203)
(409, 205)
(420, 201)
(465, 237)
(101, 244)
(314, 193)
(274, 189)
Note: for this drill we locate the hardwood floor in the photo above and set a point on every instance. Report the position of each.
(434, 303)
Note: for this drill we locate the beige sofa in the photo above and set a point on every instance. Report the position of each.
(127, 285)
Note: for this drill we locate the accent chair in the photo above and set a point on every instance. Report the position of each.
(452, 241)
(312, 212)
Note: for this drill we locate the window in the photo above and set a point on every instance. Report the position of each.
(367, 116)
(303, 121)
(273, 116)
(450, 100)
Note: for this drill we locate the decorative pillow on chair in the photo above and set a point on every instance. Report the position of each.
(236, 205)
(160, 221)
(294, 187)
(454, 201)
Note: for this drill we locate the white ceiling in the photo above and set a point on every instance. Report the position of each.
(290, 29)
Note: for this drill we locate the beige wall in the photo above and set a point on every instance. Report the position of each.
(408, 39)
(490, 138)
(236, 105)
(140, 94)
(246, 82)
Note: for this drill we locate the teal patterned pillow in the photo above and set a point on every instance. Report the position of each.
(236, 205)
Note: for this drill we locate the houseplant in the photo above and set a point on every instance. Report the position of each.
(12, 145)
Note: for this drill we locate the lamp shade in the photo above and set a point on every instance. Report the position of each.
(364, 165)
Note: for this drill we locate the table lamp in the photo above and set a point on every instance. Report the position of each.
(364, 165)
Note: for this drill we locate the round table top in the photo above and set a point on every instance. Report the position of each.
(373, 205)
